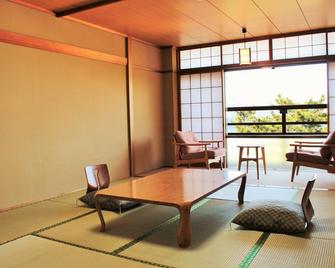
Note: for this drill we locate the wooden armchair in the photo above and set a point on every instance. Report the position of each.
(188, 150)
(322, 157)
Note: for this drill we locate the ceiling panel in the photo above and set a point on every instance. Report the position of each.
(325, 15)
(246, 14)
(189, 22)
(285, 14)
(150, 23)
(215, 21)
(177, 20)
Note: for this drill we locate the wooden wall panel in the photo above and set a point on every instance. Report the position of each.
(146, 56)
(149, 136)
(58, 114)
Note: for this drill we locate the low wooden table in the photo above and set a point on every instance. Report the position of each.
(180, 187)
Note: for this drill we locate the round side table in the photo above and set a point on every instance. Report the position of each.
(248, 158)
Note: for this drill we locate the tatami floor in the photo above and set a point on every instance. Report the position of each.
(61, 232)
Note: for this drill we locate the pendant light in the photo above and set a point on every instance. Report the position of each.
(245, 53)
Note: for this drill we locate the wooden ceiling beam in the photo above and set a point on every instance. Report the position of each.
(82, 7)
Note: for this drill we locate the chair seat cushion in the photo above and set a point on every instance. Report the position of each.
(212, 153)
(308, 156)
(273, 216)
(188, 137)
(108, 203)
(326, 151)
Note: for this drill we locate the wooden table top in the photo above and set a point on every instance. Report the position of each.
(250, 146)
(176, 187)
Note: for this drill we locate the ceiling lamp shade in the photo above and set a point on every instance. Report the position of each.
(245, 53)
(245, 56)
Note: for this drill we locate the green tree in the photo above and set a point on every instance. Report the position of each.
(305, 115)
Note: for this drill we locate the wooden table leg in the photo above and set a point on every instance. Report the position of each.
(263, 156)
(247, 160)
(240, 158)
(184, 228)
(257, 166)
(101, 217)
(242, 190)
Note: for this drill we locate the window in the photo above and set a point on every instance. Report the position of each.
(254, 101)
(201, 105)
(283, 48)
(299, 46)
(331, 43)
(200, 57)
(259, 51)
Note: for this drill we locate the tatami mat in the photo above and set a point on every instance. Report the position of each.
(24, 220)
(253, 193)
(213, 243)
(33, 252)
(323, 222)
(283, 178)
(71, 198)
(66, 235)
(289, 251)
(120, 228)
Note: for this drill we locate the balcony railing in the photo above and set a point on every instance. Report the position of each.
(283, 110)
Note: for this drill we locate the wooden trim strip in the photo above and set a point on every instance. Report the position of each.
(149, 69)
(53, 46)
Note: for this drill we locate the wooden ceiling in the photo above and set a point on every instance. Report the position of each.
(189, 22)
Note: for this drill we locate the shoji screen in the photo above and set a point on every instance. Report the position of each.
(201, 98)
(331, 95)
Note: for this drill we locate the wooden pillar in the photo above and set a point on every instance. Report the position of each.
(170, 100)
(130, 106)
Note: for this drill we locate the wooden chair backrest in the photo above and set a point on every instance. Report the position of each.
(306, 203)
(97, 177)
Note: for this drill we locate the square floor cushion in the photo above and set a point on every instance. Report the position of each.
(273, 216)
(108, 203)
(279, 216)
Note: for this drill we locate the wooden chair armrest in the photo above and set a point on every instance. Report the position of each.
(212, 141)
(309, 142)
(192, 144)
(312, 145)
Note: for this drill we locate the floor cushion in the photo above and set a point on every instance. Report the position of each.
(108, 203)
(273, 216)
